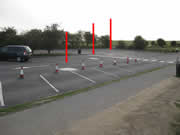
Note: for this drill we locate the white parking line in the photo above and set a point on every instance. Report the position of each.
(154, 60)
(1, 95)
(93, 58)
(32, 67)
(145, 60)
(111, 74)
(83, 77)
(105, 56)
(162, 61)
(171, 62)
(42, 77)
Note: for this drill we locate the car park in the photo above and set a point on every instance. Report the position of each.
(18, 52)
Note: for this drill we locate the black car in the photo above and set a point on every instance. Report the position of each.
(18, 52)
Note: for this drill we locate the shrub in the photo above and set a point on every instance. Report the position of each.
(173, 43)
(121, 44)
(153, 43)
(161, 42)
(139, 43)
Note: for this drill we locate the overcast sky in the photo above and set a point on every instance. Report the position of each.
(150, 18)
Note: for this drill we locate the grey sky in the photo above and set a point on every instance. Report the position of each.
(150, 18)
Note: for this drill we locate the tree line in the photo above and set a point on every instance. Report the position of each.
(140, 43)
(53, 37)
(50, 38)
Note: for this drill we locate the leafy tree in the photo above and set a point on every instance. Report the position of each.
(121, 44)
(33, 38)
(52, 38)
(104, 41)
(173, 43)
(8, 36)
(75, 40)
(153, 43)
(139, 43)
(161, 42)
(88, 38)
(147, 43)
(80, 38)
(96, 38)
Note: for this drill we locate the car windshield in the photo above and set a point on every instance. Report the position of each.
(28, 49)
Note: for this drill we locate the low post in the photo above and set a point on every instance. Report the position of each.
(79, 51)
(177, 67)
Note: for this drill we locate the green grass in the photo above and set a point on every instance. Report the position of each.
(176, 123)
(127, 42)
(20, 107)
(151, 48)
(155, 49)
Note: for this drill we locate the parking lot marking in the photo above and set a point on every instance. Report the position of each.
(145, 60)
(162, 61)
(68, 69)
(1, 95)
(93, 58)
(83, 76)
(107, 56)
(42, 77)
(154, 60)
(170, 62)
(111, 74)
(32, 67)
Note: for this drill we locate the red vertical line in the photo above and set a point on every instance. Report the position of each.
(110, 44)
(93, 51)
(66, 47)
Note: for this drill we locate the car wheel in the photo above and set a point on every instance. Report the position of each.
(18, 59)
(22, 59)
(26, 59)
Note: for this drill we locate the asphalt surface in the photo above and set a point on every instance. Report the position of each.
(33, 87)
(56, 117)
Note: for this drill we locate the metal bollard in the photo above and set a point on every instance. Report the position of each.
(177, 67)
(79, 51)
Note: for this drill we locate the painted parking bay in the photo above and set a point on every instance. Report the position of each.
(41, 80)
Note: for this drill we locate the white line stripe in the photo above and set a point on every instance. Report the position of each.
(111, 74)
(49, 83)
(1, 95)
(162, 61)
(83, 77)
(93, 58)
(153, 60)
(32, 67)
(145, 60)
(108, 56)
(170, 62)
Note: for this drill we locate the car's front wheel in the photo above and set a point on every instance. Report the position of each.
(26, 59)
(18, 59)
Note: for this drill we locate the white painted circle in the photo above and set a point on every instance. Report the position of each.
(93, 58)
(68, 69)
